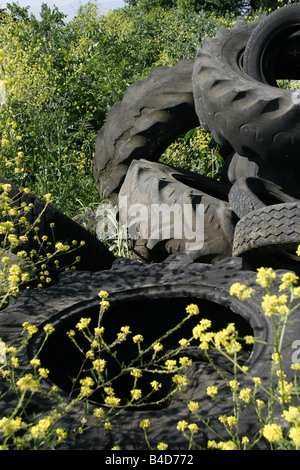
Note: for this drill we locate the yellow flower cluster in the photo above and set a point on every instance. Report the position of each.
(86, 384)
(192, 309)
(225, 338)
(265, 277)
(272, 304)
(183, 425)
(241, 291)
(40, 429)
(111, 400)
(196, 153)
(228, 445)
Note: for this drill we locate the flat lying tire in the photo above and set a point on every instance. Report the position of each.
(268, 230)
(249, 194)
(139, 296)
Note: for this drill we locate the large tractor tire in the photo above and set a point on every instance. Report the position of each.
(273, 50)
(151, 299)
(152, 113)
(257, 120)
(181, 211)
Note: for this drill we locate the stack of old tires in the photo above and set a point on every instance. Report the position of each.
(230, 89)
(238, 100)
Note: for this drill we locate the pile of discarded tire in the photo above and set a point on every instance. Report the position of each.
(231, 90)
(251, 215)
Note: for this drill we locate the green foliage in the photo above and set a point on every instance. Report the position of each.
(267, 5)
(217, 6)
(196, 151)
(59, 79)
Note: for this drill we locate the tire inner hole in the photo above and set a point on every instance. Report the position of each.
(150, 318)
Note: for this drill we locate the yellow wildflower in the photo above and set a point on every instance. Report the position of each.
(192, 309)
(43, 372)
(193, 406)
(193, 428)
(182, 425)
(181, 380)
(136, 373)
(273, 305)
(41, 428)
(288, 279)
(272, 432)
(49, 328)
(83, 323)
(103, 294)
(245, 395)
(292, 415)
(144, 424)
(265, 277)
(171, 364)
(157, 347)
(99, 365)
(185, 361)
(212, 391)
(136, 394)
(27, 383)
(112, 401)
(155, 385)
(98, 412)
(162, 446)
(138, 338)
(61, 433)
(241, 291)
(294, 435)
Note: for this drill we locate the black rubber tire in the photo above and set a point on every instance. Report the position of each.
(237, 166)
(152, 113)
(156, 184)
(268, 230)
(94, 255)
(131, 285)
(255, 119)
(249, 194)
(273, 49)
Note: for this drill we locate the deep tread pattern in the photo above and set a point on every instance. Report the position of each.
(158, 184)
(152, 113)
(253, 118)
(128, 282)
(270, 229)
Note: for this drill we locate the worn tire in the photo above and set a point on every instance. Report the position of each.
(94, 255)
(272, 51)
(156, 185)
(139, 296)
(268, 230)
(152, 113)
(255, 119)
(249, 194)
